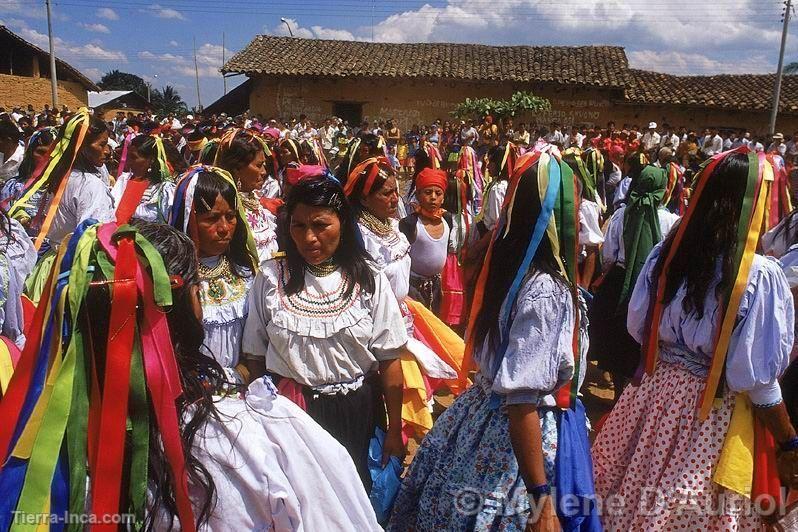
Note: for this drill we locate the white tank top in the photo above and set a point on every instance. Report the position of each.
(428, 255)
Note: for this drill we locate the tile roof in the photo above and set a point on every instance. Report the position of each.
(740, 91)
(60, 64)
(603, 66)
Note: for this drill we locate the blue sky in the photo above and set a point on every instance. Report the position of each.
(155, 38)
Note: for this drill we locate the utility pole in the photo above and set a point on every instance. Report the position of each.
(224, 78)
(372, 20)
(780, 72)
(53, 75)
(196, 75)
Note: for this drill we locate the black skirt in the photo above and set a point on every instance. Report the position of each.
(351, 419)
(611, 345)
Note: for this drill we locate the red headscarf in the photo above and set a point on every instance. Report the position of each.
(293, 175)
(431, 177)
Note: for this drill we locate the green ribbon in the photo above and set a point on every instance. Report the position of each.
(641, 231)
(49, 438)
(139, 435)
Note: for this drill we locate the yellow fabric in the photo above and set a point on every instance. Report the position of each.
(6, 367)
(414, 396)
(735, 470)
(443, 341)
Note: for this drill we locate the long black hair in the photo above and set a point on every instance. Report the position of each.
(350, 256)
(62, 169)
(709, 238)
(421, 160)
(238, 153)
(508, 254)
(209, 186)
(146, 146)
(199, 375)
(42, 137)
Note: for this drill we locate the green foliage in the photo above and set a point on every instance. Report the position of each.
(167, 100)
(519, 102)
(123, 81)
(791, 68)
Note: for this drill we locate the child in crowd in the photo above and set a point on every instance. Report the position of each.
(428, 230)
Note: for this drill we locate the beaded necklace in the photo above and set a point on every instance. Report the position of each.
(322, 269)
(223, 287)
(375, 225)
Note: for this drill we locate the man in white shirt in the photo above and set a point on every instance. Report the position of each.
(778, 146)
(712, 143)
(574, 139)
(555, 135)
(11, 150)
(468, 135)
(651, 139)
(669, 139)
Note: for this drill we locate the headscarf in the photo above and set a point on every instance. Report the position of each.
(296, 174)
(48, 448)
(183, 215)
(358, 174)
(431, 177)
(641, 231)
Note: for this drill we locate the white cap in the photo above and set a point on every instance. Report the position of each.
(189, 117)
(652, 125)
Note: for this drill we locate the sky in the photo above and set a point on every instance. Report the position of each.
(156, 40)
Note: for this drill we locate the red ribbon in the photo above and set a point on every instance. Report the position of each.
(107, 475)
(163, 382)
(131, 198)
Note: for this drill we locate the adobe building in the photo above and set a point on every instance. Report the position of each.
(25, 76)
(107, 104)
(418, 83)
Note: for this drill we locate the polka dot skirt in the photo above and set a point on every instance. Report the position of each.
(654, 460)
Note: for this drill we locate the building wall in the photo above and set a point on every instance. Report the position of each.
(21, 91)
(421, 102)
(415, 101)
(699, 118)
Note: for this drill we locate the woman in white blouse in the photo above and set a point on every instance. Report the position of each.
(72, 181)
(327, 327)
(146, 189)
(208, 209)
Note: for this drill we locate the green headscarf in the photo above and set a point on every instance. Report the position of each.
(641, 229)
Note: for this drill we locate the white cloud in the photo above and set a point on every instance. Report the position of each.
(173, 43)
(107, 13)
(314, 32)
(681, 63)
(67, 50)
(209, 61)
(96, 28)
(164, 12)
(92, 73)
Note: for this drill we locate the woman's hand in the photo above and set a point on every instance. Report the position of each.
(544, 517)
(393, 445)
(787, 466)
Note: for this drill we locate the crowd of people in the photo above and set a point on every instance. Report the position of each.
(240, 323)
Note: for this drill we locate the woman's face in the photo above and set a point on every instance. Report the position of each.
(215, 228)
(384, 202)
(137, 163)
(316, 232)
(97, 151)
(39, 153)
(431, 198)
(251, 176)
(286, 155)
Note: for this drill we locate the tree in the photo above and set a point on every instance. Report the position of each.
(167, 100)
(123, 81)
(518, 102)
(791, 69)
